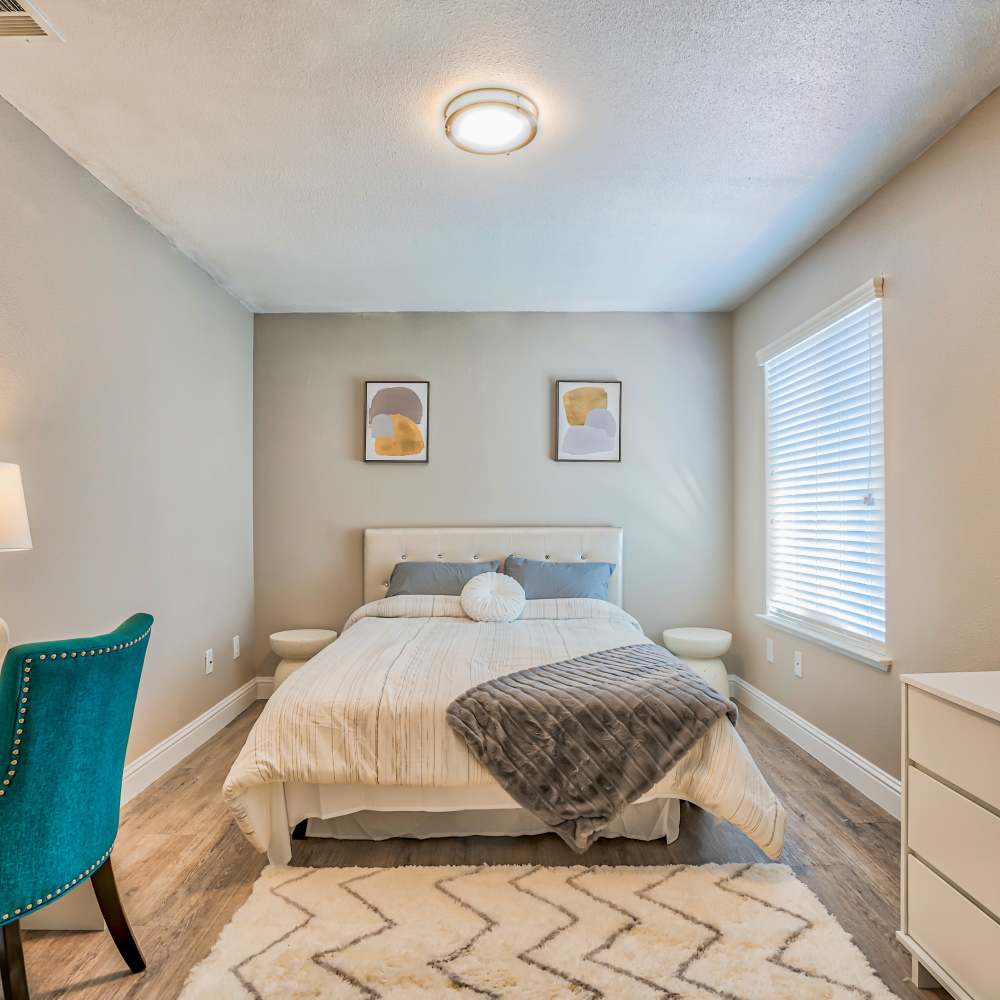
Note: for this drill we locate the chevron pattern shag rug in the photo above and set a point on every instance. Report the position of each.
(739, 932)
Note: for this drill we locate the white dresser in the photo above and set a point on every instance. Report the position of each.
(950, 911)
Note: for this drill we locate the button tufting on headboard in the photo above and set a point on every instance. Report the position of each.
(384, 547)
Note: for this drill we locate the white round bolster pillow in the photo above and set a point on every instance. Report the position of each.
(493, 597)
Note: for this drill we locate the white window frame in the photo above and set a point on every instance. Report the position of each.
(865, 650)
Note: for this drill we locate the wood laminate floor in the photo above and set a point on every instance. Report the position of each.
(184, 868)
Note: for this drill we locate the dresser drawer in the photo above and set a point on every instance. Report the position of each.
(960, 937)
(954, 835)
(961, 747)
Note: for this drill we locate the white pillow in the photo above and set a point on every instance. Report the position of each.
(493, 597)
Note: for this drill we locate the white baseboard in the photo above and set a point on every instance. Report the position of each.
(874, 783)
(154, 763)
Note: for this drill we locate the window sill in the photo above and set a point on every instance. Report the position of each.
(870, 654)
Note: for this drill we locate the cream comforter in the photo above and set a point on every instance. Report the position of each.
(370, 710)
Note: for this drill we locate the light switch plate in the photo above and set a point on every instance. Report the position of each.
(798, 663)
(236, 647)
(209, 661)
(770, 650)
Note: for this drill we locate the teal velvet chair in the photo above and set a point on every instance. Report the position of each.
(65, 715)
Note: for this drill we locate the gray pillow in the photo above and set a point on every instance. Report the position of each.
(543, 579)
(435, 577)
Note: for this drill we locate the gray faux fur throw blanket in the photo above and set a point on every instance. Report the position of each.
(575, 742)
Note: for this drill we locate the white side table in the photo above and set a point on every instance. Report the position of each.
(700, 649)
(295, 647)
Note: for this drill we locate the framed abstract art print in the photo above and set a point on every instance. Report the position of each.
(397, 421)
(588, 421)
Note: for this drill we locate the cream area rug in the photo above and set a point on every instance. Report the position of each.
(739, 932)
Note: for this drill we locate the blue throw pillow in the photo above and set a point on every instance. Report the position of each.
(542, 578)
(409, 578)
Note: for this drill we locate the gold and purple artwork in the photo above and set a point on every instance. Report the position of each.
(396, 421)
(588, 421)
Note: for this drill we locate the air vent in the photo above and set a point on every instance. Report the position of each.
(21, 19)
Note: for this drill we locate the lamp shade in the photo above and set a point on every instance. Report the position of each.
(14, 533)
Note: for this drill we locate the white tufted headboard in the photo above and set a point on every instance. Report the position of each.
(384, 547)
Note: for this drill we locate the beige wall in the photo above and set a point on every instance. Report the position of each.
(125, 395)
(934, 232)
(491, 436)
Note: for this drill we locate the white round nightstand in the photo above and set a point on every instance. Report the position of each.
(700, 649)
(295, 647)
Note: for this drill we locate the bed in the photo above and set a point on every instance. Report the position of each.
(356, 742)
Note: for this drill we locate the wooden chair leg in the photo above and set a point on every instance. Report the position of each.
(106, 890)
(12, 972)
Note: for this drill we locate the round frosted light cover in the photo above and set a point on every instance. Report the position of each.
(491, 121)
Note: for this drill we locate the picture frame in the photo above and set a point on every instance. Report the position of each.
(588, 420)
(397, 421)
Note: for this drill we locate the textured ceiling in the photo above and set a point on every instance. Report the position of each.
(687, 149)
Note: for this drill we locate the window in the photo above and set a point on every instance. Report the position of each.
(826, 475)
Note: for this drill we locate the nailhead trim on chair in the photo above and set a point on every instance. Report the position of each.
(25, 684)
(59, 890)
(22, 710)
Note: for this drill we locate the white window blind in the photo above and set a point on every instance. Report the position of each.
(826, 472)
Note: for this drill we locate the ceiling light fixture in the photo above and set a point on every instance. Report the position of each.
(491, 120)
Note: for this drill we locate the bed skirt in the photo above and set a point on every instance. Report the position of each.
(375, 812)
(655, 820)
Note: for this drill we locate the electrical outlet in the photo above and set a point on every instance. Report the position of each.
(236, 647)
(209, 661)
(770, 651)
(798, 663)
